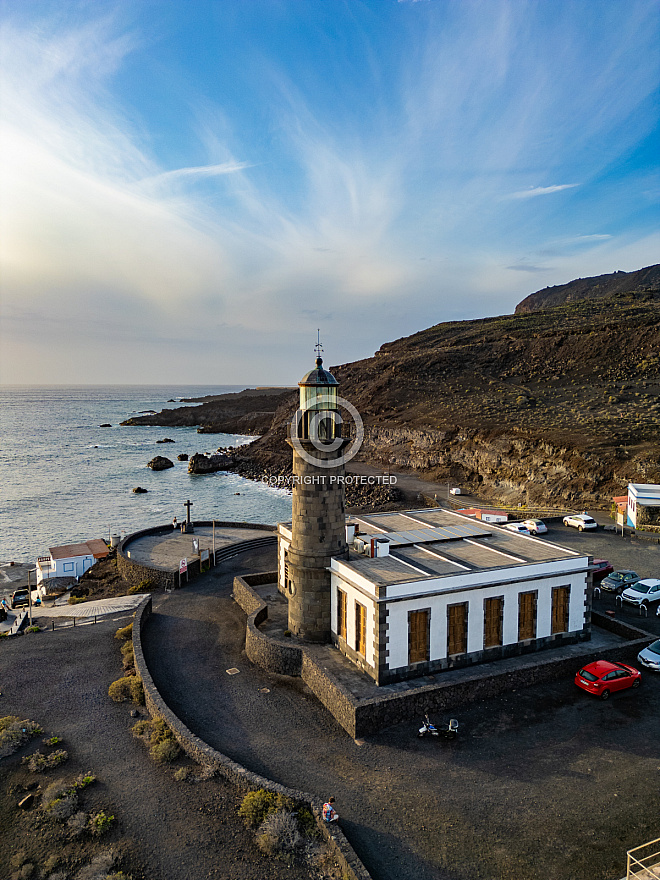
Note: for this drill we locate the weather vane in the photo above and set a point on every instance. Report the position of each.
(318, 348)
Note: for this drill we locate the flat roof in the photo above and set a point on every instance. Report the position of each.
(95, 547)
(437, 542)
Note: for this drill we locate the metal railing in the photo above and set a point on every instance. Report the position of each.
(644, 861)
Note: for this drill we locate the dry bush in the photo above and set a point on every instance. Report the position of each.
(143, 587)
(38, 763)
(279, 836)
(163, 746)
(98, 868)
(14, 733)
(77, 824)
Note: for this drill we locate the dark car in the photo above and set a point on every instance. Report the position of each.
(618, 581)
(20, 599)
(602, 567)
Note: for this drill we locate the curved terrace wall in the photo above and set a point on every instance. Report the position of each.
(134, 572)
(245, 779)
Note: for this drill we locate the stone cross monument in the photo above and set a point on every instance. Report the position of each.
(318, 526)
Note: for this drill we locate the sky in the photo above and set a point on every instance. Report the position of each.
(191, 189)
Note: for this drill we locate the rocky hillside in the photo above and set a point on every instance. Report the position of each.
(246, 412)
(599, 287)
(553, 406)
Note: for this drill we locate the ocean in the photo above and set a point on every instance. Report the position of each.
(64, 479)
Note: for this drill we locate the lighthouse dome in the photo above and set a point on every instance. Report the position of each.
(318, 376)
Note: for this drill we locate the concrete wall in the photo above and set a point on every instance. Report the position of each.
(134, 573)
(245, 779)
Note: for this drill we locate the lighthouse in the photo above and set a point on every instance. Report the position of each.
(318, 528)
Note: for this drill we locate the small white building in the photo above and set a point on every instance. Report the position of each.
(641, 497)
(488, 516)
(70, 560)
(440, 591)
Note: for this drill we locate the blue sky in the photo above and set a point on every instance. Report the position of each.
(192, 188)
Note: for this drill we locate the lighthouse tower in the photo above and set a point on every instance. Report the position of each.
(318, 528)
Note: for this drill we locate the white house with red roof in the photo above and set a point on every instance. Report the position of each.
(70, 560)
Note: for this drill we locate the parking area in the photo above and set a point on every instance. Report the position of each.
(624, 553)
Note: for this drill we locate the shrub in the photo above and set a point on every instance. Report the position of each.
(141, 728)
(257, 805)
(164, 747)
(165, 752)
(77, 824)
(52, 740)
(76, 600)
(127, 688)
(182, 774)
(279, 835)
(14, 733)
(33, 629)
(60, 800)
(128, 657)
(143, 587)
(100, 823)
(124, 632)
(38, 763)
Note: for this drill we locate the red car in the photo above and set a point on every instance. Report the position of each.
(602, 678)
(601, 569)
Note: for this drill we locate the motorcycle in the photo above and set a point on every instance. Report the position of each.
(429, 729)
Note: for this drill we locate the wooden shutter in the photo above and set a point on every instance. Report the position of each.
(341, 613)
(360, 629)
(526, 616)
(457, 628)
(418, 636)
(493, 615)
(560, 597)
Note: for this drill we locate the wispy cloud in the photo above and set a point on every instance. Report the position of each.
(541, 191)
(384, 190)
(201, 171)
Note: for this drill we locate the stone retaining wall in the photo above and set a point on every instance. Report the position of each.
(245, 779)
(272, 655)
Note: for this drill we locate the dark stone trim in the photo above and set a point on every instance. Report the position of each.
(245, 779)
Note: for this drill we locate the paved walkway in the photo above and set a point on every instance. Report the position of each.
(93, 608)
(165, 551)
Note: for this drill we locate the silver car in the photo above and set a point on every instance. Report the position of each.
(650, 657)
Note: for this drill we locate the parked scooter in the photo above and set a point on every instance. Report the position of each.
(429, 729)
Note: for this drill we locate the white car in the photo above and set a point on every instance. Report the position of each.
(644, 593)
(580, 521)
(455, 491)
(519, 527)
(535, 526)
(650, 657)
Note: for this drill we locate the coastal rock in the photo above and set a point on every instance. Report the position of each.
(165, 440)
(160, 463)
(203, 464)
(139, 490)
(105, 425)
(183, 456)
